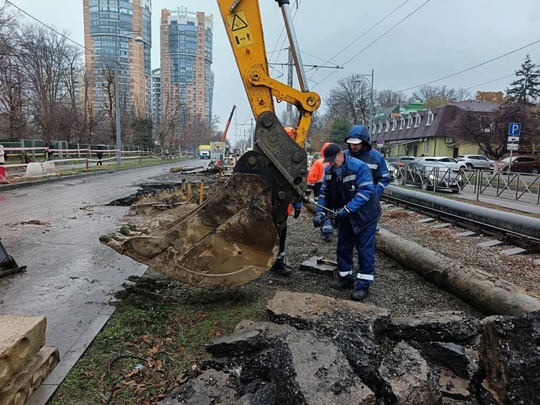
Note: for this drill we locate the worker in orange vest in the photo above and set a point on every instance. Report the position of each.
(315, 180)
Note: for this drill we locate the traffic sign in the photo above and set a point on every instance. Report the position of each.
(512, 146)
(514, 129)
(513, 139)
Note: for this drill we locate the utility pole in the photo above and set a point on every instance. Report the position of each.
(290, 120)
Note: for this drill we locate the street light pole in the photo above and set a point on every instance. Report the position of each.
(117, 102)
(371, 103)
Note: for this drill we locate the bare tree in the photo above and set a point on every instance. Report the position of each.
(12, 79)
(436, 96)
(350, 99)
(389, 98)
(46, 57)
(490, 130)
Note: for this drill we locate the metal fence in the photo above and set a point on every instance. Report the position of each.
(523, 187)
(33, 150)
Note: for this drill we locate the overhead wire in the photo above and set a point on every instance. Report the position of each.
(71, 40)
(472, 67)
(491, 81)
(377, 39)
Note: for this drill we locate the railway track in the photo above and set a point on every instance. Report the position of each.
(511, 229)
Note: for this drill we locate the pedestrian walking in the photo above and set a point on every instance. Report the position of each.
(348, 189)
(99, 154)
(50, 153)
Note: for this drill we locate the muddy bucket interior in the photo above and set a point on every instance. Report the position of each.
(227, 241)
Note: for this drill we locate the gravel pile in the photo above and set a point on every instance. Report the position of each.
(401, 291)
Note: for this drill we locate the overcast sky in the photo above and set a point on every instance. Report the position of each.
(437, 38)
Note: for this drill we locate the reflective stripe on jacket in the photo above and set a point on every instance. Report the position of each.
(355, 191)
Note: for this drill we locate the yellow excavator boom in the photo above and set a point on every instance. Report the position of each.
(233, 236)
(242, 20)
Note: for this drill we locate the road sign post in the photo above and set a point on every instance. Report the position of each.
(514, 131)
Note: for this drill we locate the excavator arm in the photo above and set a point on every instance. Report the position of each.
(242, 20)
(233, 237)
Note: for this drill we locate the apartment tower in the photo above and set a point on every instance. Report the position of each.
(119, 32)
(187, 80)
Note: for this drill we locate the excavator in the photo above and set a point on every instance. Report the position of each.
(232, 238)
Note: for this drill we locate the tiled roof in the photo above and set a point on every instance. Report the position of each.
(477, 106)
(442, 117)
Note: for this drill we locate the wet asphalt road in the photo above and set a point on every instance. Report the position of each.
(70, 276)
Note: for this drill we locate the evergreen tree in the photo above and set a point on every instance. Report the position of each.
(526, 88)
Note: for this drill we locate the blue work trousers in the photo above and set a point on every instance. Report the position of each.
(364, 242)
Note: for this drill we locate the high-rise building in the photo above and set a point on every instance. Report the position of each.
(118, 34)
(187, 80)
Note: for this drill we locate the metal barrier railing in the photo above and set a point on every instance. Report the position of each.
(515, 186)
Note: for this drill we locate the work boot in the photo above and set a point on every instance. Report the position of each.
(279, 268)
(327, 237)
(343, 284)
(360, 294)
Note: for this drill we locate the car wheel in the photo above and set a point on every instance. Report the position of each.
(455, 190)
(534, 170)
(469, 166)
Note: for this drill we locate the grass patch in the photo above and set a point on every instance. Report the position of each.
(156, 334)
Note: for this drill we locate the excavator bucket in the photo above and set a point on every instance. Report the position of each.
(227, 241)
(232, 238)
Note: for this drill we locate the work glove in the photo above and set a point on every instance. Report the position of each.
(297, 212)
(318, 220)
(341, 213)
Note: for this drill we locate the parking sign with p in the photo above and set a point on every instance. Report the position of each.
(514, 129)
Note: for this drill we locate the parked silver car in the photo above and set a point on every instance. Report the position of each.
(431, 174)
(447, 160)
(476, 161)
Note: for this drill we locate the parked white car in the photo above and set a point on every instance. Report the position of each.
(447, 160)
(476, 161)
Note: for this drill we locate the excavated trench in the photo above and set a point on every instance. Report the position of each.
(319, 350)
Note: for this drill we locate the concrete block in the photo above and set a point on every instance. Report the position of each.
(21, 337)
(490, 243)
(24, 383)
(426, 220)
(34, 169)
(439, 226)
(319, 265)
(466, 233)
(513, 251)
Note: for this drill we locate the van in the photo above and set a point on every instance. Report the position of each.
(204, 154)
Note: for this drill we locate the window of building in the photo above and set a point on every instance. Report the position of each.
(409, 122)
(429, 118)
(394, 124)
(417, 120)
(386, 126)
(380, 127)
(401, 122)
